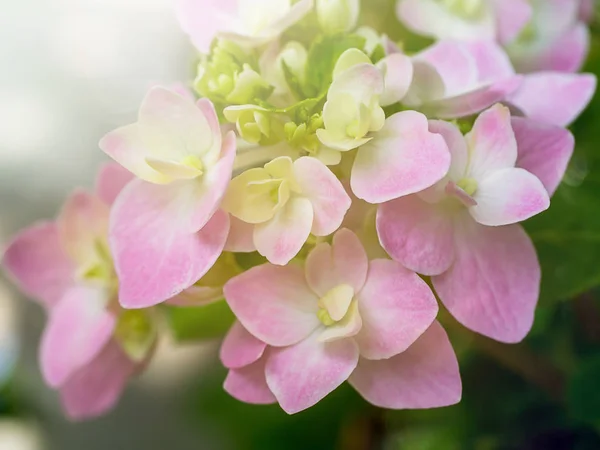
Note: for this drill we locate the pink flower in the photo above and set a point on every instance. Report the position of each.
(342, 318)
(556, 38)
(166, 231)
(67, 267)
(456, 79)
(462, 231)
(247, 22)
(465, 19)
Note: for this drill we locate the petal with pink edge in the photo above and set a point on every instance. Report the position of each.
(240, 348)
(79, 327)
(249, 384)
(568, 53)
(38, 263)
(344, 262)
(474, 101)
(424, 376)
(274, 303)
(544, 150)
(554, 98)
(241, 237)
(492, 62)
(492, 144)
(511, 18)
(83, 224)
(402, 159)
(397, 71)
(493, 286)
(303, 374)
(111, 180)
(202, 19)
(328, 197)
(282, 237)
(417, 234)
(156, 252)
(97, 387)
(396, 307)
(509, 196)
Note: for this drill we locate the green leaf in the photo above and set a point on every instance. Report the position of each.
(199, 323)
(322, 57)
(583, 395)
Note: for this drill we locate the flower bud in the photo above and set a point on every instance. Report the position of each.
(338, 16)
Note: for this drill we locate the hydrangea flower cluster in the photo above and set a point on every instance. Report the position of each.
(366, 182)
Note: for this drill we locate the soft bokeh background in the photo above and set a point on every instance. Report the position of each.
(71, 70)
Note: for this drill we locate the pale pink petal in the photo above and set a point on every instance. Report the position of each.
(240, 348)
(398, 75)
(456, 144)
(509, 196)
(424, 376)
(78, 328)
(249, 384)
(96, 388)
(454, 64)
(345, 262)
(328, 197)
(568, 53)
(303, 374)
(125, 146)
(474, 101)
(241, 237)
(454, 190)
(282, 237)
(491, 142)
(111, 180)
(274, 303)
(492, 62)
(36, 260)
(493, 286)
(544, 150)
(402, 159)
(83, 225)
(416, 234)
(156, 250)
(203, 19)
(511, 18)
(396, 307)
(555, 98)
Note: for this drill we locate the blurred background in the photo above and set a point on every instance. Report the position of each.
(71, 70)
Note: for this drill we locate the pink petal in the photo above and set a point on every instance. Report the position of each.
(97, 387)
(511, 16)
(403, 158)
(494, 284)
(492, 142)
(156, 250)
(544, 150)
(398, 75)
(474, 101)
(79, 327)
(282, 237)
(303, 374)
(274, 303)
(111, 180)
(396, 307)
(83, 224)
(249, 384)
(568, 53)
(416, 234)
(509, 196)
(456, 144)
(424, 376)
(38, 263)
(328, 197)
(196, 296)
(240, 348)
(492, 62)
(241, 237)
(345, 262)
(202, 19)
(555, 98)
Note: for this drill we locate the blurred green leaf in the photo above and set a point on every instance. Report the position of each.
(205, 322)
(583, 395)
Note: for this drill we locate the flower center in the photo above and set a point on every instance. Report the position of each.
(100, 268)
(335, 304)
(194, 162)
(469, 9)
(469, 185)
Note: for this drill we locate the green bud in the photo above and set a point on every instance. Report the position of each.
(337, 16)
